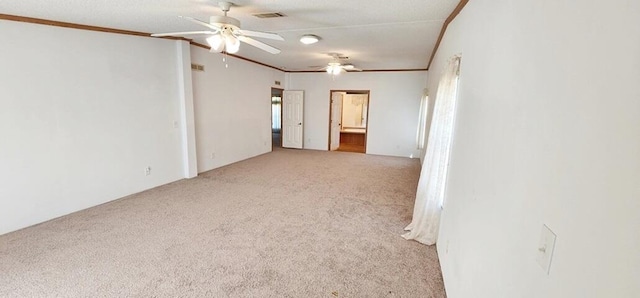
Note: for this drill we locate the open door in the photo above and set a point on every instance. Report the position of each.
(348, 118)
(336, 120)
(292, 119)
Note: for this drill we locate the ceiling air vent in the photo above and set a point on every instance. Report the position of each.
(338, 56)
(197, 67)
(268, 15)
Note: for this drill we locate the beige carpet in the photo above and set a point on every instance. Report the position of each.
(290, 223)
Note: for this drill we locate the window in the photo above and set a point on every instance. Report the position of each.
(422, 120)
(276, 107)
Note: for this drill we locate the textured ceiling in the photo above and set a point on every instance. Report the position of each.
(375, 34)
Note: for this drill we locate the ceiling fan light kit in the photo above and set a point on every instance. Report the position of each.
(225, 41)
(309, 39)
(334, 68)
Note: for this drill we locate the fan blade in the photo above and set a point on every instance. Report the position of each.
(350, 67)
(203, 23)
(259, 45)
(182, 33)
(266, 35)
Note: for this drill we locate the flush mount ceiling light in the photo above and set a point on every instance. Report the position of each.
(309, 39)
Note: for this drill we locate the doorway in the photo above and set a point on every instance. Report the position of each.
(348, 120)
(276, 118)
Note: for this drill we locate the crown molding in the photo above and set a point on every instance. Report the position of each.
(23, 19)
(452, 16)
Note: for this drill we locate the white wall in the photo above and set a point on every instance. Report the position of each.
(232, 108)
(81, 115)
(547, 132)
(394, 104)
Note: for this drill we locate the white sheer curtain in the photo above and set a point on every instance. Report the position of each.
(429, 196)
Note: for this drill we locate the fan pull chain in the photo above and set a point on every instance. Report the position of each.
(224, 59)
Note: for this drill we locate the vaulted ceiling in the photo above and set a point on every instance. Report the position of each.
(374, 34)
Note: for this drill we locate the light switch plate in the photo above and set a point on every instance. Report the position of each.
(545, 248)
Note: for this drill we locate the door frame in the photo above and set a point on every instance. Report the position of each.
(275, 91)
(366, 131)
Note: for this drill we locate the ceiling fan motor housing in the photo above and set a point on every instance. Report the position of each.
(224, 20)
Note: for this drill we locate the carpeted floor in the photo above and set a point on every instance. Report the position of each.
(291, 223)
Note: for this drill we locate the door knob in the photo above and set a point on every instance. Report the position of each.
(300, 123)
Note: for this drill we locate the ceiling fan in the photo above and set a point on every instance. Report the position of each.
(226, 34)
(335, 67)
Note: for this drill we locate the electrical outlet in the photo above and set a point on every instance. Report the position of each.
(175, 124)
(147, 171)
(545, 248)
(213, 155)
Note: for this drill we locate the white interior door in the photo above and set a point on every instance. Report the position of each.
(336, 120)
(292, 119)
